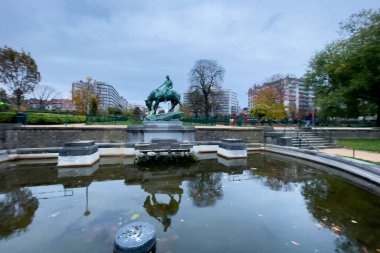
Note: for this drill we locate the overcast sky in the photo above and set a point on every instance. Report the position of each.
(134, 44)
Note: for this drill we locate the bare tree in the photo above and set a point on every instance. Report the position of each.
(44, 95)
(205, 76)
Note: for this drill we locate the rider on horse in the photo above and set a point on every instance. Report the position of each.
(164, 89)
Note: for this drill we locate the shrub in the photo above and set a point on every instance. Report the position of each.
(51, 118)
(7, 117)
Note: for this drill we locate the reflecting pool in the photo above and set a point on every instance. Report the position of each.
(269, 203)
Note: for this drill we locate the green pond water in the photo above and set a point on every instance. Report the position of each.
(268, 203)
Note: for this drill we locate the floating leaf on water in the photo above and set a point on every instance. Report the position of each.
(295, 243)
(135, 216)
(354, 221)
(336, 229)
(54, 214)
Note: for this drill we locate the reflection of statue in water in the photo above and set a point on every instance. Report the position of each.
(162, 211)
(163, 93)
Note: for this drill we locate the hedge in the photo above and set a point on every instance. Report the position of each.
(7, 117)
(42, 118)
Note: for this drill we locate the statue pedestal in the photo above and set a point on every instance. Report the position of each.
(161, 130)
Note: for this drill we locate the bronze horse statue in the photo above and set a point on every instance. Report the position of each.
(155, 98)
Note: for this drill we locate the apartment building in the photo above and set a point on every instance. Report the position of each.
(291, 92)
(107, 95)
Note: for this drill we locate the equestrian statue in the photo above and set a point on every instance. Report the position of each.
(163, 93)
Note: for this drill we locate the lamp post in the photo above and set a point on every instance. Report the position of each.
(89, 79)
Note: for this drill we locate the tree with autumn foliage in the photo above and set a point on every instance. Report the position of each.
(267, 106)
(19, 72)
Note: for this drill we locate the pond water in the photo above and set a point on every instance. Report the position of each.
(269, 203)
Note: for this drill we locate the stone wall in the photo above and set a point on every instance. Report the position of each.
(15, 136)
(248, 134)
(353, 133)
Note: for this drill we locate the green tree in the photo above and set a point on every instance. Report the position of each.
(137, 113)
(205, 76)
(346, 74)
(114, 110)
(93, 105)
(19, 72)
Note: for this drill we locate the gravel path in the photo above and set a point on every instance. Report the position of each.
(365, 155)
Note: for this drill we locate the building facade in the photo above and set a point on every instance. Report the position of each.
(107, 95)
(223, 102)
(291, 92)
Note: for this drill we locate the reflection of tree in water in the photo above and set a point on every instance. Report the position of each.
(280, 175)
(347, 210)
(206, 189)
(162, 211)
(17, 210)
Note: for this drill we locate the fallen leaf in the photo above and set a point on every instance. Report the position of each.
(295, 243)
(54, 214)
(336, 229)
(135, 216)
(318, 225)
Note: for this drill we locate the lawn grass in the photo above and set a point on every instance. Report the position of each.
(372, 145)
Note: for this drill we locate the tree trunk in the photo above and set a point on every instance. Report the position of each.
(206, 108)
(378, 114)
(18, 94)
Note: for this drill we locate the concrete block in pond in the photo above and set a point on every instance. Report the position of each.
(80, 153)
(238, 162)
(285, 141)
(136, 237)
(232, 148)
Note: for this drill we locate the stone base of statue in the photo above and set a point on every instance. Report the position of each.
(160, 130)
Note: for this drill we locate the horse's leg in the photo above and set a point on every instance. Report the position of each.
(173, 104)
(155, 107)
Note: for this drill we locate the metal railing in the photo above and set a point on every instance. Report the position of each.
(301, 140)
(324, 133)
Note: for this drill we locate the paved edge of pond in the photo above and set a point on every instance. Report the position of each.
(362, 169)
(359, 168)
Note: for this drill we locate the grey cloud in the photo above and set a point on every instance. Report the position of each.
(134, 44)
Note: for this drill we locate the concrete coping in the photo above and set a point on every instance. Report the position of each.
(359, 168)
(232, 141)
(79, 143)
